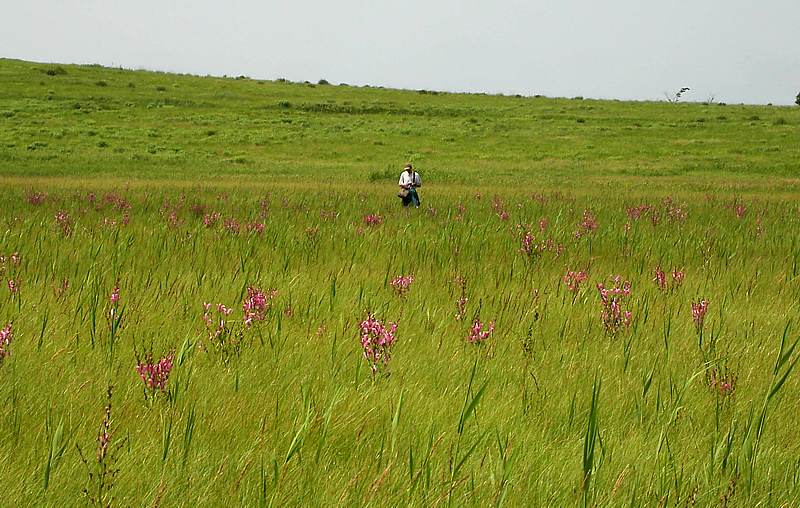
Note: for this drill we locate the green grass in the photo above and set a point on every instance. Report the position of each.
(550, 411)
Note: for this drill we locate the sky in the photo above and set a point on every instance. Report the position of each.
(728, 51)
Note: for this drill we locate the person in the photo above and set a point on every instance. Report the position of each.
(409, 181)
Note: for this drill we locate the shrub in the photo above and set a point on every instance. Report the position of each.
(797, 99)
(161, 88)
(101, 83)
(55, 71)
(323, 82)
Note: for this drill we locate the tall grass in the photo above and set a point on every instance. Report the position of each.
(294, 416)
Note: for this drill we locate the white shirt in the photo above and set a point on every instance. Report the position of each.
(406, 179)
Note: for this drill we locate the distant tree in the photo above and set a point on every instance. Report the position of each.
(797, 99)
(677, 95)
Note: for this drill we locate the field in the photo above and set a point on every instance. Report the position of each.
(602, 308)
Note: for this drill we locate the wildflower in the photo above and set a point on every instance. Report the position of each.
(377, 341)
(114, 298)
(15, 259)
(6, 336)
(13, 286)
(528, 246)
(499, 208)
(256, 305)
(573, 280)
(674, 212)
(699, 310)
(613, 315)
(172, 220)
(660, 278)
(256, 227)
(724, 385)
(35, 198)
(543, 223)
(373, 220)
(587, 225)
(215, 329)
(477, 335)
(677, 277)
(740, 209)
(636, 212)
(231, 225)
(155, 375)
(209, 220)
(401, 284)
(64, 221)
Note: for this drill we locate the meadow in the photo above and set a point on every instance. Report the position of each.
(211, 296)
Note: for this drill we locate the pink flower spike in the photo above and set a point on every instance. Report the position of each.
(155, 375)
(6, 336)
(401, 284)
(699, 310)
(477, 335)
(377, 341)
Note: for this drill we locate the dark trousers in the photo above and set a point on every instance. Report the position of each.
(411, 198)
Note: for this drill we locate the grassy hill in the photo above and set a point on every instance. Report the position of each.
(71, 120)
(599, 306)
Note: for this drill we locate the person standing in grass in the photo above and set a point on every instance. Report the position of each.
(409, 181)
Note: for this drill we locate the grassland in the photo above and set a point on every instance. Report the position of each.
(112, 178)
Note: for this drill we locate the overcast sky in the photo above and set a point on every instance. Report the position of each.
(731, 50)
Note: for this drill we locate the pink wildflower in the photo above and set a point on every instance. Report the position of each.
(477, 335)
(373, 220)
(256, 227)
(636, 212)
(155, 375)
(35, 198)
(677, 277)
(13, 286)
(64, 222)
(114, 298)
(377, 341)
(613, 315)
(587, 225)
(231, 225)
(213, 327)
(209, 220)
(256, 305)
(401, 284)
(6, 336)
(573, 280)
(699, 310)
(660, 278)
(724, 385)
(543, 223)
